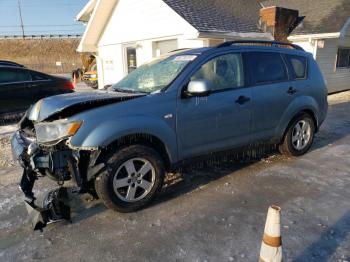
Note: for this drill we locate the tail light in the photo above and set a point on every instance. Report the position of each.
(69, 85)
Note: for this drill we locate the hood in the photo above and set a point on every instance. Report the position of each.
(62, 106)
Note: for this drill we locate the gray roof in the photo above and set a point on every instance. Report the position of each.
(321, 16)
(219, 15)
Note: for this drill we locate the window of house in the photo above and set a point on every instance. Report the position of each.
(299, 66)
(223, 72)
(13, 75)
(343, 58)
(267, 67)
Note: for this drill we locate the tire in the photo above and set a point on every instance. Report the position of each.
(294, 136)
(120, 188)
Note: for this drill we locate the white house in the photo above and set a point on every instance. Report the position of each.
(124, 34)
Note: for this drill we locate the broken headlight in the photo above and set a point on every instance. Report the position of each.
(52, 132)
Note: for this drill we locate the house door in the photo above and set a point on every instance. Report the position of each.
(131, 59)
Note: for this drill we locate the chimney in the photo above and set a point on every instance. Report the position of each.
(279, 21)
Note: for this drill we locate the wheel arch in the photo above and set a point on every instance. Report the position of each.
(145, 139)
(308, 111)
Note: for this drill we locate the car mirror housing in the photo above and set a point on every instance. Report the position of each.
(197, 88)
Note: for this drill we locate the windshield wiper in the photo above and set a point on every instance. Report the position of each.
(130, 91)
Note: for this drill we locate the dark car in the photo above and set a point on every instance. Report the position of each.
(9, 63)
(21, 87)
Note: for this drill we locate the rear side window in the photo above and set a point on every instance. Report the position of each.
(267, 67)
(39, 77)
(13, 75)
(298, 66)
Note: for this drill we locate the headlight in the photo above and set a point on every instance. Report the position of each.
(93, 76)
(52, 132)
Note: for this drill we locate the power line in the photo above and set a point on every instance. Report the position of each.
(15, 26)
(38, 31)
(36, 5)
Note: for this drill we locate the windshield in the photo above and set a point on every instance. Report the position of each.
(155, 75)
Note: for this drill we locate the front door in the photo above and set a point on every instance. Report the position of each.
(220, 120)
(131, 59)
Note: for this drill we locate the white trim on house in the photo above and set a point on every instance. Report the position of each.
(96, 25)
(235, 35)
(314, 36)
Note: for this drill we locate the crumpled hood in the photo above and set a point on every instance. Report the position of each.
(66, 105)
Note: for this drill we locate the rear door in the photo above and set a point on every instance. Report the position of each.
(222, 119)
(42, 85)
(15, 94)
(272, 92)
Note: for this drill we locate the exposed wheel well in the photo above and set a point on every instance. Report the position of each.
(141, 139)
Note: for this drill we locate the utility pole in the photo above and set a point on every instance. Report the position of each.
(20, 16)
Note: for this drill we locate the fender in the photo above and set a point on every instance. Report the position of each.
(104, 133)
(299, 104)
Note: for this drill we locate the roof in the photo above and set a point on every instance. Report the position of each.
(99, 12)
(219, 15)
(325, 16)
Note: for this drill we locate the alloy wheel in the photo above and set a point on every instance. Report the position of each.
(134, 179)
(301, 134)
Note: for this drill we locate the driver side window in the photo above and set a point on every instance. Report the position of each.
(222, 72)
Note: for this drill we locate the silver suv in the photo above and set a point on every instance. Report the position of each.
(119, 144)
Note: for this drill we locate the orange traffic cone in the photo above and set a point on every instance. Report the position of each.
(271, 246)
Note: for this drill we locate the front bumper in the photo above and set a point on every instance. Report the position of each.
(37, 162)
(59, 162)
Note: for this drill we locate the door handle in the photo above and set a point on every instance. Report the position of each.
(242, 100)
(291, 90)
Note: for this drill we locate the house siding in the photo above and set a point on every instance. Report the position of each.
(147, 25)
(135, 20)
(338, 79)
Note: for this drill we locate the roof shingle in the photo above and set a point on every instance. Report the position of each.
(219, 15)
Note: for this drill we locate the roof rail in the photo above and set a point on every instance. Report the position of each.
(261, 42)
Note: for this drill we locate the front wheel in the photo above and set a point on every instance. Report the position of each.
(133, 177)
(299, 136)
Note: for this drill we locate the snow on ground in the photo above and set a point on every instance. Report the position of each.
(214, 213)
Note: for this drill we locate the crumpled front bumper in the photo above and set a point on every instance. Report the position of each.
(31, 158)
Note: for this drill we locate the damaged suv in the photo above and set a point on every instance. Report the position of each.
(119, 144)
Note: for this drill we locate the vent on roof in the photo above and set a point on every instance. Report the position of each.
(278, 21)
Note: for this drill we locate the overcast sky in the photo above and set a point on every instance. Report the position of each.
(41, 16)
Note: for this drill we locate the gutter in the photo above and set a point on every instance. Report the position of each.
(314, 36)
(235, 35)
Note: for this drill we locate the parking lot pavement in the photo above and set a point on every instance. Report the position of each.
(212, 214)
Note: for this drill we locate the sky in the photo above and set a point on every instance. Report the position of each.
(41, 17)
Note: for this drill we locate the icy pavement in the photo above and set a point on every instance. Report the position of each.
(213, 214)
(6, 130)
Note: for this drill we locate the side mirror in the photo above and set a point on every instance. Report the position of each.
(197, 88)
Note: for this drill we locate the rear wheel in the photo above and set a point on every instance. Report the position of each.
(299, 136)
(133, 177)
